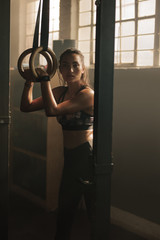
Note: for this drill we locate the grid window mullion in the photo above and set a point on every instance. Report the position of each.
(147, 30)
(157, 35)
(31, 14)
(136, 33)
(85, 32)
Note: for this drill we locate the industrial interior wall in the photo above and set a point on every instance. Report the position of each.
(136, 137)
(136, 142)
(36, 141)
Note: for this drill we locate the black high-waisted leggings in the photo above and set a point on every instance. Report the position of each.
(77, 181)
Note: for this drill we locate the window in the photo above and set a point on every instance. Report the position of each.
(86, 30)
(137, 33)
(31, 16)
(32, 9)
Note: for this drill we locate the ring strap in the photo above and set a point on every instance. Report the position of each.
(36, 31)
(44, 25)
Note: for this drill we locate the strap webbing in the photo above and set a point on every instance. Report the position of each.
(36, 31)
(44, 25)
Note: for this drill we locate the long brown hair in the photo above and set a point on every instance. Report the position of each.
(68, 51)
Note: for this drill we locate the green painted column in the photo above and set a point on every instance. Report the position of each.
(104, 65)
(4, 113)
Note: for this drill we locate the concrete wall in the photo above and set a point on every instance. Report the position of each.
(136, 142)
(36, 141)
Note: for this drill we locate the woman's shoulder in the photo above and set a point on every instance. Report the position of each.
(87, 90)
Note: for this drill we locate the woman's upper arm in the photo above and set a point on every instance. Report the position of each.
(35, 105)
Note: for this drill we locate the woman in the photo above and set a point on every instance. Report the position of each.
(73, 106)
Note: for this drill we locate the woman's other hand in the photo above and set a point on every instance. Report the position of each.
(41, 72)
(28, 75)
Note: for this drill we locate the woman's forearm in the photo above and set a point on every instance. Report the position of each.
(49, 101)
(27, 96)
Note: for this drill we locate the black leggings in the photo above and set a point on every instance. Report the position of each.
(77, 181)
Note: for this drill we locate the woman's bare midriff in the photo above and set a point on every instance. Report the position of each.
(73, 139)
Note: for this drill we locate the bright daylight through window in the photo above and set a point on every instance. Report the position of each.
(86, 32)
(31, 13)
(137, 31)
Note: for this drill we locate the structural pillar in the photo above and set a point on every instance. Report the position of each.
(104, 64)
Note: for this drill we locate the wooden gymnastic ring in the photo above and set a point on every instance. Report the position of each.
(20, 60)
(28, 51)
(32, 59)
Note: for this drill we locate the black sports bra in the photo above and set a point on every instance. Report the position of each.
(76, 121)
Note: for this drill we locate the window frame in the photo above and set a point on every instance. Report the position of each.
(34, 22)
(156, 34)
(156, 49)
(92, 25)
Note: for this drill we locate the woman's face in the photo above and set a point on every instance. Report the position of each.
(71, 67)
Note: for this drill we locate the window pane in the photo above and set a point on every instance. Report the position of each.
(50, 40)
(54, 16)
(30, 18)
(94, 32)
(116, 57)
(42, 61)
(30, 29)
(146, 8)
(145, 42)
(32, 10)
(54, 13)
(117, 42)
(117, 29)
(94, 17)
(127, 28)
(146, 26)
(29, 42)
(55, 35)
(127, 57)
(51, 25)
(30, 7)
(145, 58)
(86, 59)
(84, 33)
(54, 4)
(93, 60)
(117, 10)
(54, 25)
(85, 18)
(128, 9)
(84, 46)
(127, 43)
(94, 46)
(84, 5)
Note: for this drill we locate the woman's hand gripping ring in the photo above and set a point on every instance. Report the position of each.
(29, 51)
(52, 57)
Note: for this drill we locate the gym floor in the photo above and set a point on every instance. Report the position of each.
(28, 221)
